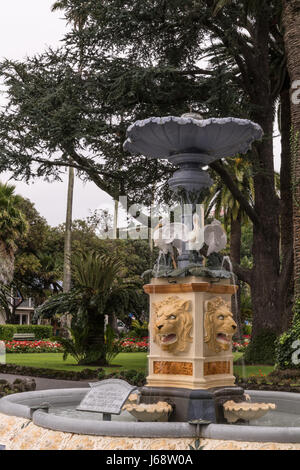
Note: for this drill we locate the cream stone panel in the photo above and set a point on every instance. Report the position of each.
(22, 434)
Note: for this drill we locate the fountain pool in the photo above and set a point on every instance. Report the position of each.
(22, 426)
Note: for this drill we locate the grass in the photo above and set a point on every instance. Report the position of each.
(247, 371)
(136, 361)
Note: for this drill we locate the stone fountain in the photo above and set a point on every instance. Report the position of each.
(191, 323)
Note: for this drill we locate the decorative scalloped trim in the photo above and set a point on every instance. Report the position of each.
(257, 133)
(248, 406)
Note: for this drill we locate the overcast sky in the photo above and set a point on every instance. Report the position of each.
(27, 27)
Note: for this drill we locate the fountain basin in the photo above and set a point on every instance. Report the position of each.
(246, 411)
(157, 412)
(64, 428)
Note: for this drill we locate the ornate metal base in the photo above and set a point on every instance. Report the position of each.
(193, 405)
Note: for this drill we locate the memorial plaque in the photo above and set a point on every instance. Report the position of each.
(107, 397)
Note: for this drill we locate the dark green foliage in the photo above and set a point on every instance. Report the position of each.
(278, 380)
(112, 344)
(98, 285)
(85, 374)
(7, 332)
(40, 331)
(138, 329)
(285, 346)
(131, 376)
(261, 350)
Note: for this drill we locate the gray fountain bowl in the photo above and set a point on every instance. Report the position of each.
(211, 139)
(22, 405)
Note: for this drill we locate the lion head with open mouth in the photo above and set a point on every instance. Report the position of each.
(219, 325)
(172, 324)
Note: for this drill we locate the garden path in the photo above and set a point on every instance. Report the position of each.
(47, 384)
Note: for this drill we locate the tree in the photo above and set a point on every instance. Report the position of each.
(77, 19)
(224, 205)
(97, 282)
(38, 268)
(13, 225)
(291, 21)
(151, 67)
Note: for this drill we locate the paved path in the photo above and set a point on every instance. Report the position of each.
(47, 384)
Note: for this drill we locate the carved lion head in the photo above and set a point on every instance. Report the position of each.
(172, 324)
(219, 325)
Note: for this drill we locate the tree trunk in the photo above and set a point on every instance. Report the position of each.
(113, 322)
(66, 318)
(7, 262)
(235, 256)
(95, 340)
(265, 277)
(286, 212)
(68, 234)
(116, 216)
(291, 21)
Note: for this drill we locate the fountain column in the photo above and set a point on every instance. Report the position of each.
(191, 324)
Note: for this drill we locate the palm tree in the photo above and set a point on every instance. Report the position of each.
(222, 202)
(78, 19)
(13, 225)
(291, 21)
(98, 285)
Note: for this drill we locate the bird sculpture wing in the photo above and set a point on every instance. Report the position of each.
(215, 237)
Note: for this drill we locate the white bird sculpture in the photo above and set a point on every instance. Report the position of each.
(172, 235)
(196, 236)
(215, 237)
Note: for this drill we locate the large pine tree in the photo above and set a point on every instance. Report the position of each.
(142, 59)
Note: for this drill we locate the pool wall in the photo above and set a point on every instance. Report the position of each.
(22, 427)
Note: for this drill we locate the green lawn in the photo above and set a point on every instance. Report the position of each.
(247, 371)
(136, 361)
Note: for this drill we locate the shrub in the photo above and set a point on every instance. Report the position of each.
(14, 369)
(261, 350)
(40, 331)
(112, 345)
(137, 378)
(138, 329)
(247, 329)
(7, 332)
(284, 345)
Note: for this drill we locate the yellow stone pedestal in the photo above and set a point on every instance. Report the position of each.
(191, 326)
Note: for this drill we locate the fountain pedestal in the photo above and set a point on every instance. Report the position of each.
(190, 360)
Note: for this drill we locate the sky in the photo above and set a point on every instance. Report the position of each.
(28, 27)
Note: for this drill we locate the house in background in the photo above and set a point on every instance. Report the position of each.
(24, 311)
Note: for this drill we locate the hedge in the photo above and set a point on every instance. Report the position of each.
(261, 349)
(40, 331)
(15, 369)
(287, 356)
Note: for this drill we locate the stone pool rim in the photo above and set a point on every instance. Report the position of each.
(21, 404)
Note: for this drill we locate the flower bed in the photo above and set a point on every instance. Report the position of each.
(135, 344)
(240, 346)
(33, 347)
